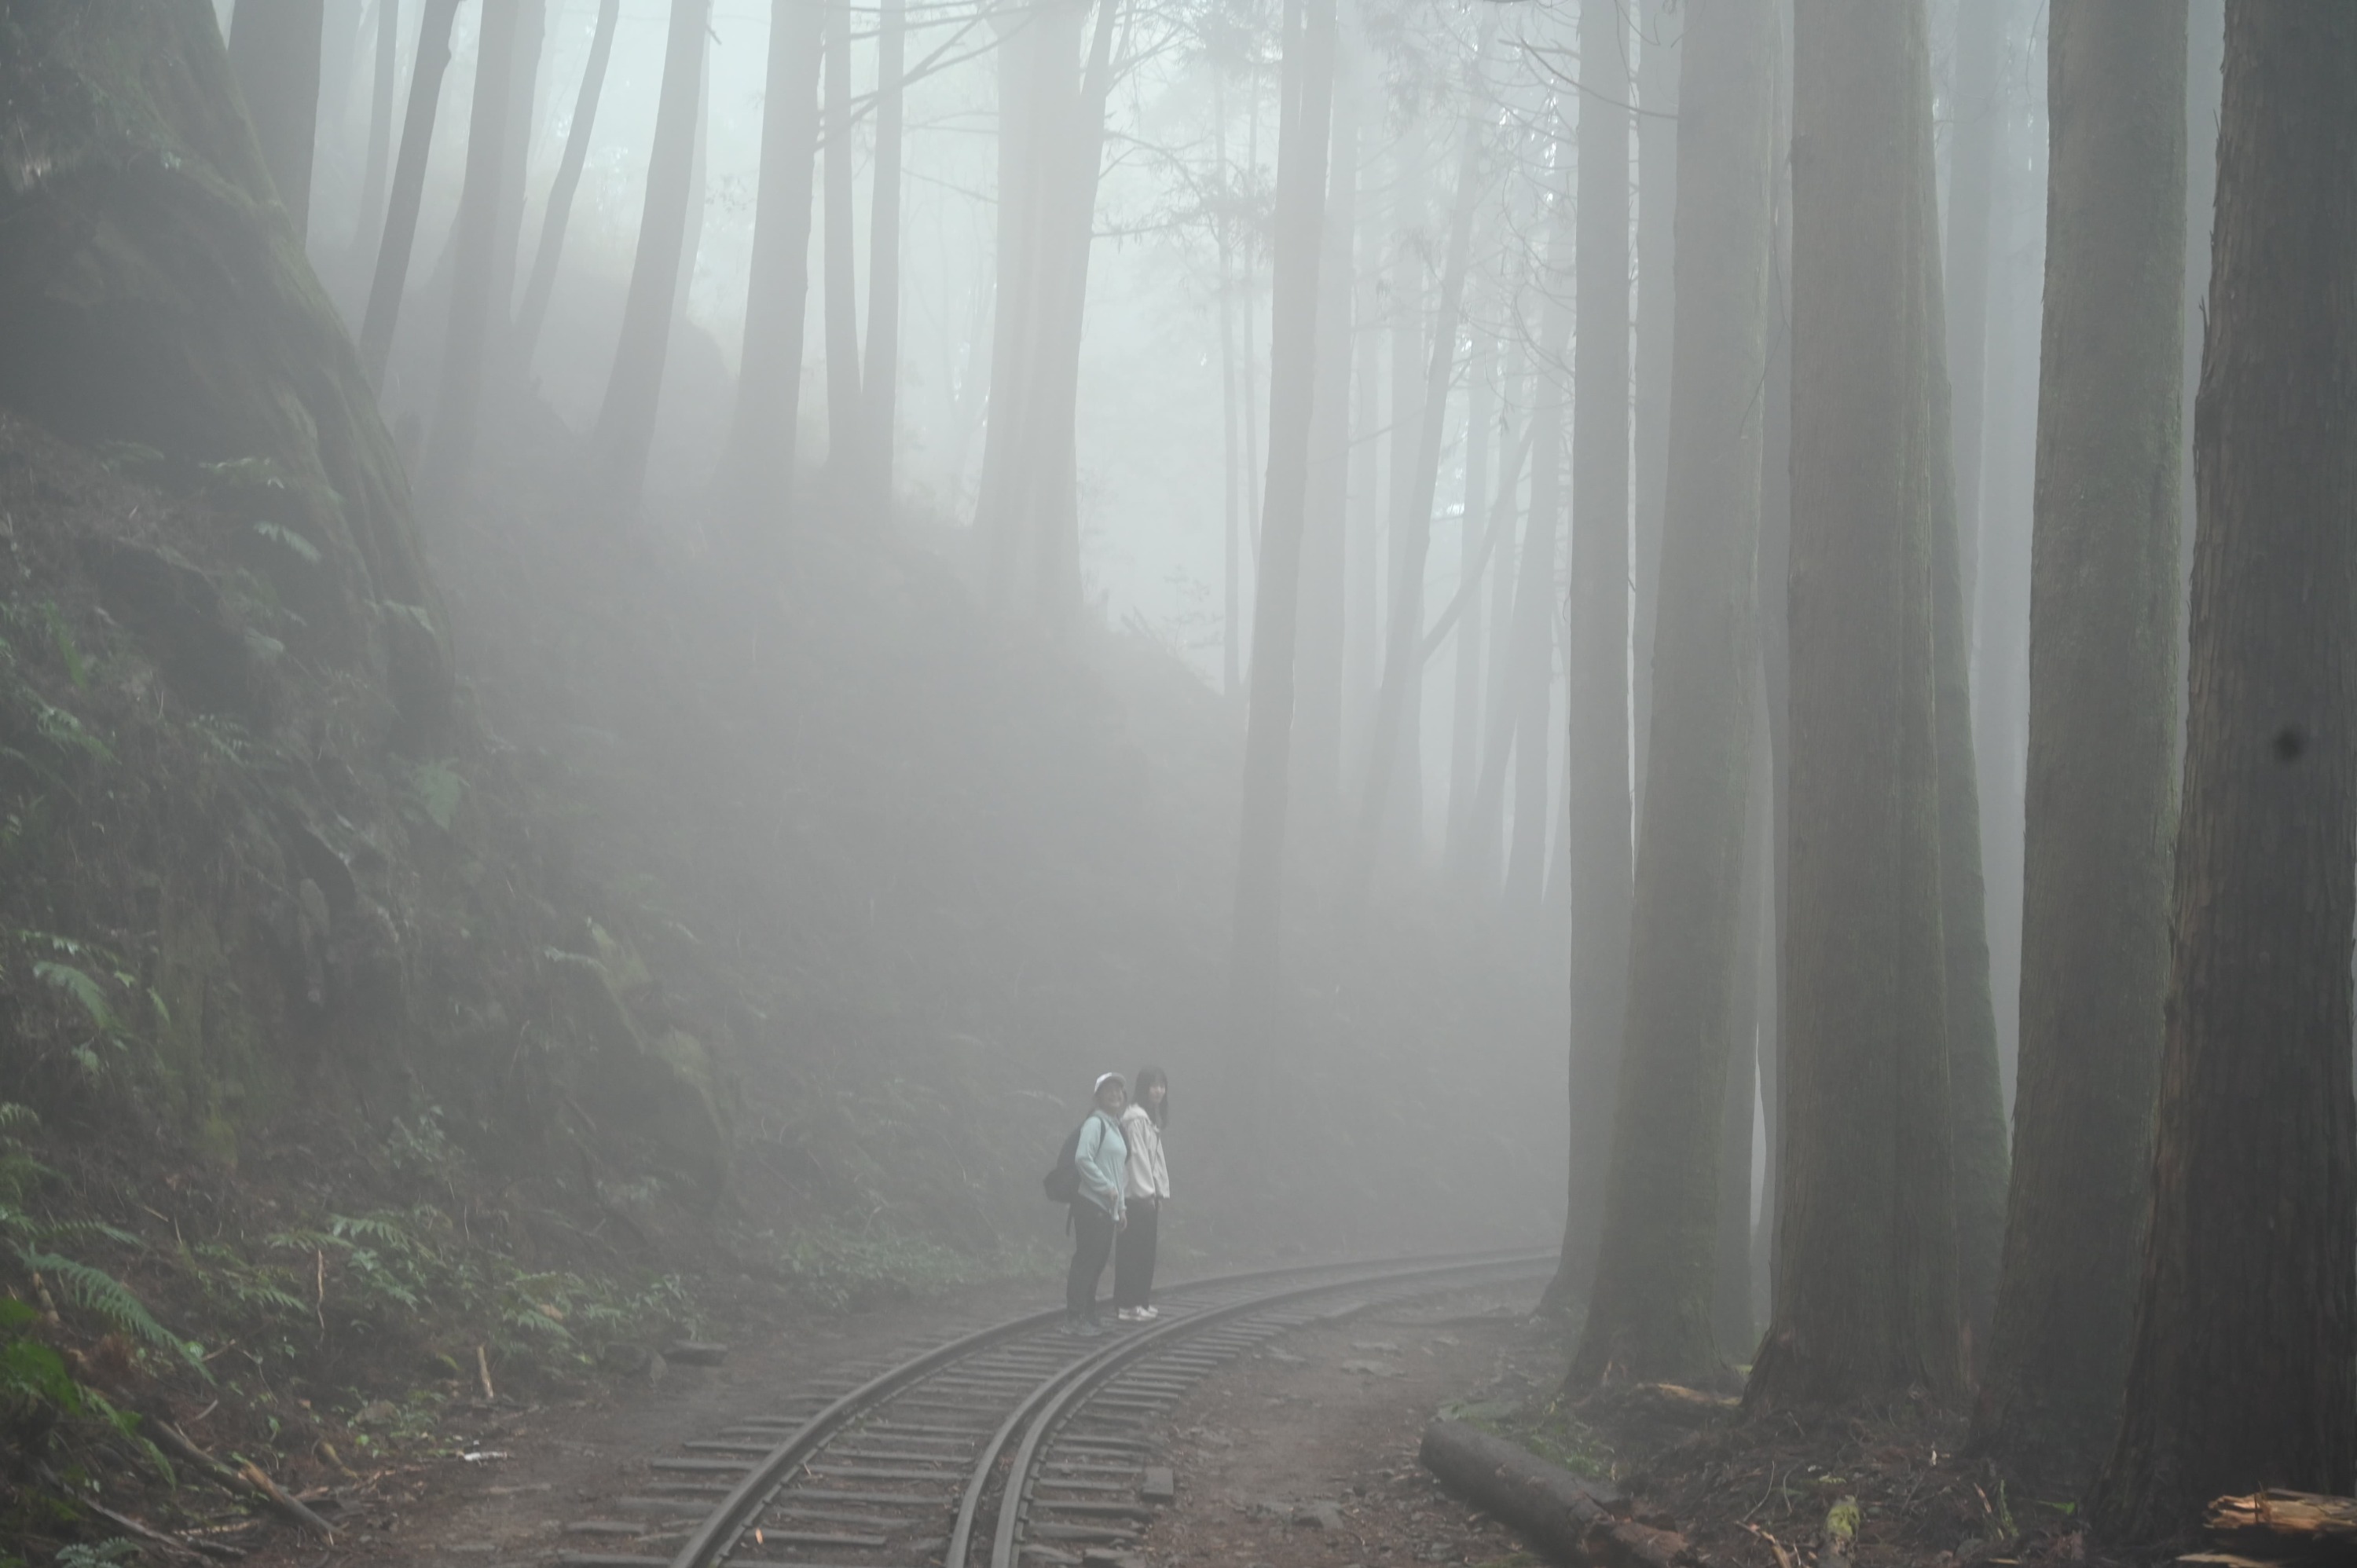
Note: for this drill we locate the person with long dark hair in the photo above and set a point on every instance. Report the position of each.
(1147, 1189)
(1100, 1160)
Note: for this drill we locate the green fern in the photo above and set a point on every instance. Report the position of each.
(96, 1291)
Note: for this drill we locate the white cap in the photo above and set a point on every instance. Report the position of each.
(1109, 1078)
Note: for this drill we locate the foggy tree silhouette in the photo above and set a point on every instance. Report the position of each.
(1255, 964)
(1660, 26)
(880, 382)
(617, 470)
(368, 224)
(274, 47)
(1864, 1298)
(1598, 650)
(1651, 1313)
(840, 307)
(757, 467)
(2102, 715)
(2243, 1371)
(457, 409)
(557, 213)
(390, 282)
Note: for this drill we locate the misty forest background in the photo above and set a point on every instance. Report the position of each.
(637, 636)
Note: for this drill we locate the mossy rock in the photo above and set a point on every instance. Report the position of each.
(666, 1090)
(151, 289)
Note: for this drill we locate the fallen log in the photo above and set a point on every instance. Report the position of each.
(1568, 1519)
(2306, 1528)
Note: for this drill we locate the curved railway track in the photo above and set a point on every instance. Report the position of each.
(1016, 1447)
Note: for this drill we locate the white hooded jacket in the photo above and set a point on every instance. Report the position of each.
(1149, 1176)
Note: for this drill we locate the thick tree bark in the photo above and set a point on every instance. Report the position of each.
(880, 383)
(274, 47)
(369, 227)
(2102, 717)
(457, 406)
(2243, 1367)
(392, 279)
(840, 305)
(1255, 971)
(1659, 28)
(1865, 1289)
(558, 213)
(1651, 1312)
(758, 470)
(626, 420)
(1600, 835)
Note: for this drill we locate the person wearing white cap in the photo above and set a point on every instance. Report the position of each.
(1101, 1159)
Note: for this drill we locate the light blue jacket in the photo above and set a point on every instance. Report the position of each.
(1103, 1160)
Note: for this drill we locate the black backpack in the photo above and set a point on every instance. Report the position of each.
(1062, 1181)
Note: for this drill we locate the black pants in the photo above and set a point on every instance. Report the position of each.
(1091, 1245)
(1132, 1254)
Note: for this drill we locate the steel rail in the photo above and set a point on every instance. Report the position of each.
(1042, 1414)
(708, 1544)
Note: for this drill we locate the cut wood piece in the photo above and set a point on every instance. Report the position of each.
(2272, 1527)
(695, 1353)
(1568, 1519)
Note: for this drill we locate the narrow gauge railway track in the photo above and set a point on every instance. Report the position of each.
(1012, 1445)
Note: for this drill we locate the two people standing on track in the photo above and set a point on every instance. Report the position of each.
(1121, 1181)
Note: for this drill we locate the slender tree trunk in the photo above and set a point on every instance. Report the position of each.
(457, 408)
(2242, 1369)
(1361, 615)
(1474, 534)
(1255, 991)
(1775, 675)
(1231, 497)
(2205, 71)
(1865, 1289)
(531, 43)
(1600, 807)
(1403, 424)
(1317, 724)
(368, 227)
(1070, 215)
(1477, 855)
(842, 302)
(1660, 26)
(626, 421)
(1972, 177)
(758, 470)
(2103, 718)
(392, 257)
(1653, 1306)
(1734, 1323)
(1392, 747)
(881, 382)
(273, 48)
(1029, 83)
(558, 213)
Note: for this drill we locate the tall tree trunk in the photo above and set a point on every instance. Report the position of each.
(457, 408)
(1325, 625)
(1403, 424)
(273, 48)
(626, 420)
(1978, 117)
(558, 213)
(1865, 1289)
(392, 279)
(1660, 27)
(2103, 718)
(1027, 122)
(2205, 72)
(1734, 1323)
(1652, 1311)
(757, 469)
(1392, 747)
(531, 43)
(1231, 630)
(368, 228)
(842, 301)
(1069, 223)
(1601, 869)
(1363, 615)
(1256, 988)
(881, 381)
(1476, 857)
(1476, 541)
(1775, 675)
(2243, 1372)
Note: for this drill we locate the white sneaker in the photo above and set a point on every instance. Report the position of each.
(1130, 1314)
(1146, 1314)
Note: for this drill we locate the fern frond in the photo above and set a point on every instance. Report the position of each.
(95, 1290)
